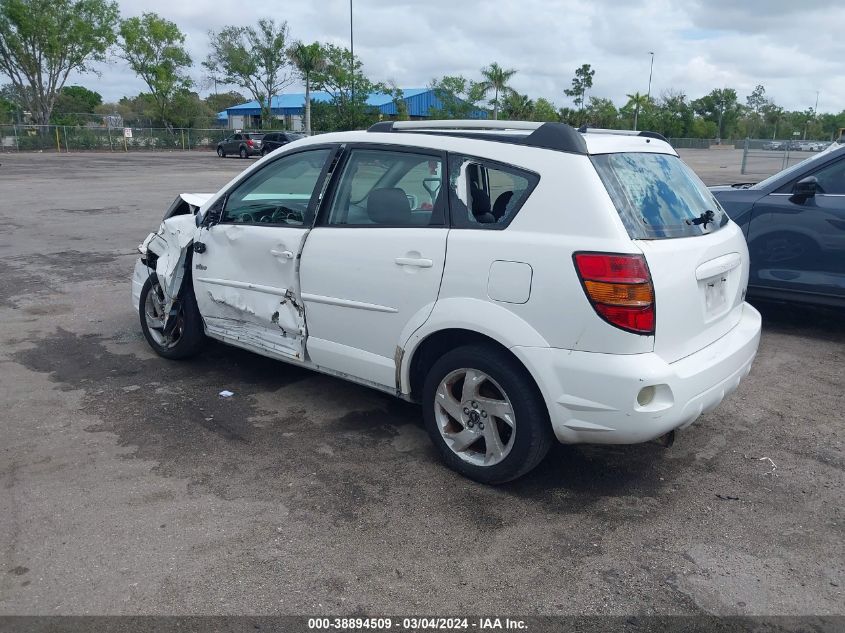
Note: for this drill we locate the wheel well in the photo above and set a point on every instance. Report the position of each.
(437, 344)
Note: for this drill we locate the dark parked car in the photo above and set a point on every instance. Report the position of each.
(794, 223)
(274, 140)
(243, 144)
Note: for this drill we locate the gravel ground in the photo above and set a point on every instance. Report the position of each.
(127, 486)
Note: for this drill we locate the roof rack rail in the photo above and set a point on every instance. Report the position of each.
(555, 136)
(600, 130)
(460, 124)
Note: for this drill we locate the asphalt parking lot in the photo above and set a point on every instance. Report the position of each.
(128, 486)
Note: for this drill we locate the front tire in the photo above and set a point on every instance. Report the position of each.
(221, 153)
(485, 414)
(187, 337)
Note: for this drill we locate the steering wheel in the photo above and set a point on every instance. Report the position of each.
(284, 214)
(247, 217)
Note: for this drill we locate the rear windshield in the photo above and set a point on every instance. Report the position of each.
(256, 137)
(657, 196)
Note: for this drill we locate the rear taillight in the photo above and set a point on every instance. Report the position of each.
(249, 142)
(620, 289)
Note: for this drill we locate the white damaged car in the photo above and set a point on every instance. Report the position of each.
(523, 282)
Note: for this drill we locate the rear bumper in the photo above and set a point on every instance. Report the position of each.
(593, 397)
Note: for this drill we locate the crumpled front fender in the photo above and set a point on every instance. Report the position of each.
(170, 244)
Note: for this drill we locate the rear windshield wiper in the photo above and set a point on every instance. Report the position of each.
(708, 217)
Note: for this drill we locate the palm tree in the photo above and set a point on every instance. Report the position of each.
(517, 106)
(495, 79)
(308, 59)
(638, 102)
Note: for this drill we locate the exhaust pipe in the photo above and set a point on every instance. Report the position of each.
(666, 440)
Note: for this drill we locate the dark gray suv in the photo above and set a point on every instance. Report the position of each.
(243, 144)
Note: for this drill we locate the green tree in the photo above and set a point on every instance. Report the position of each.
(253, 58)
(348, 109)
(673, 115)
(189, 110)
(772, 116)
(457, 95)
(43, 41)
(544, 110)
(308, 59)
(755, 102)
(153, 48)
(517, 107)
(637, 102)
(399, 101)
(570, 116)
(495, 78)
(139, 110)
(581, 82)
(219, 102)
(601, 113)
(8, 110)
(721, 107)
(73, 103)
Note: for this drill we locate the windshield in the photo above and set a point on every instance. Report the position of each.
(658, 196)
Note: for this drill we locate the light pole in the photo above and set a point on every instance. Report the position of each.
(648, 94)
(351, 69)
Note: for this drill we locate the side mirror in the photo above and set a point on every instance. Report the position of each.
(805, 188)
(213, 214)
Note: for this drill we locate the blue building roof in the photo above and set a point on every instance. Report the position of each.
(419, 101)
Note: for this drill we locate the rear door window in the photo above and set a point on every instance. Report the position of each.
(382, 187)
(658, 196)
(484, 194)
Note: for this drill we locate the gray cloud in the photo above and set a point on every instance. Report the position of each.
(793, 48)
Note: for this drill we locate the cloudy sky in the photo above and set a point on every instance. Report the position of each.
(793, 47)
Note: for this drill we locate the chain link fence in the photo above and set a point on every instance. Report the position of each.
(61, 138)
(765, 157)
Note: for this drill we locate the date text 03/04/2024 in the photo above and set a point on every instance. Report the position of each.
(417, 623)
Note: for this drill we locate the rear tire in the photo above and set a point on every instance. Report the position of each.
(221, 153)
(187, 338)
(494, 428)
(244, 153)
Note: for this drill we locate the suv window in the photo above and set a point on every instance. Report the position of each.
(389, 188)
(484, 194)
(280, 193)
(657, 196)
(832, 178)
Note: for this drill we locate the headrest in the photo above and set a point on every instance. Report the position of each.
(389, 206)
(480, 200)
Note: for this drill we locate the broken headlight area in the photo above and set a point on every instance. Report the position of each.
(179, 207)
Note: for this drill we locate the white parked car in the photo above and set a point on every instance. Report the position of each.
(521, 281)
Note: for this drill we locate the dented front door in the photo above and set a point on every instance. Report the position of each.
(246, 267)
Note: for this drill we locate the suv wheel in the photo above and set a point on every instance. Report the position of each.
(244, 152)
(187, 337)
(220, 152)
(485, 415)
